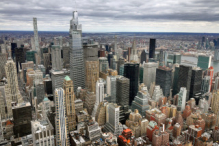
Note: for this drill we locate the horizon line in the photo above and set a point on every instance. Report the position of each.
(115, 31)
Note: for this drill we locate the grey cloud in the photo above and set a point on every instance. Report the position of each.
(110, 10)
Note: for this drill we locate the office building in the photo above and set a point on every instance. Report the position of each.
(196, 81)
(134, 55)
(101, 113)
(77, 73)
(56, 58)
(173, 59)
(66, 57)
(13, 46)
(131, 71)
(22, 115)
(122, 90)
(112, 119)
(204, 62)
(12, 81)
(205, 85)
(157, 94)
(99, 95)
(185, 74)
(3, 60)
(93, 130)
(61, 119)
(40, 92)
(70, 103)
(160, 137)
(110, 57)
(141, 102)
(143, 56)
(111, 88)
(90, 99)
(104, 65)
(20, 57)
(216, 55)
(48, 85)
(152, 48)
(120, 62)
(30, 56)
(42, 133)
(215, 102)
(58, 78)
(36, 39)
(175, 79)
(47, 61)
(164, 79)
(182, 99)
(216, 83)
(149, 73)
(92, 75)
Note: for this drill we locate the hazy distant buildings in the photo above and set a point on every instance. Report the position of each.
(104, 65)
(77, 73)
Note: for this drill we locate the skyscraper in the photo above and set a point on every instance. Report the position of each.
(134, 55)
(99, 95)
(104, 65)
(152, 48)
(3, 60)
(70, 104)
(204, 62)
(149, 73)
(56, 58)
(164, 79)
(111, 88)
(112, 119)
(182, 98)
(185, 73)
(77, 73)
(205, 85)
(196, 80)
(58, 78)
(92, 75)
(36, 39)
(122, 90)
(143, 56)
(12, 81)
(62, 138)
(131, 71)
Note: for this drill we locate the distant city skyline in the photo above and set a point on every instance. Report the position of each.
(112, 16)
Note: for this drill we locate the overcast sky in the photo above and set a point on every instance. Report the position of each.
(112, 15)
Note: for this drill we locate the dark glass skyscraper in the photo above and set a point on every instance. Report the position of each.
(152, 48)
(185, 73)
(131, 71)
(196, 81)
(164, 79)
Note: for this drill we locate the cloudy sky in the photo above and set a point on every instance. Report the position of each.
(112, 15)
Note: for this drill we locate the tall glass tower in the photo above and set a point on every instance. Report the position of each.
(77, 73)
